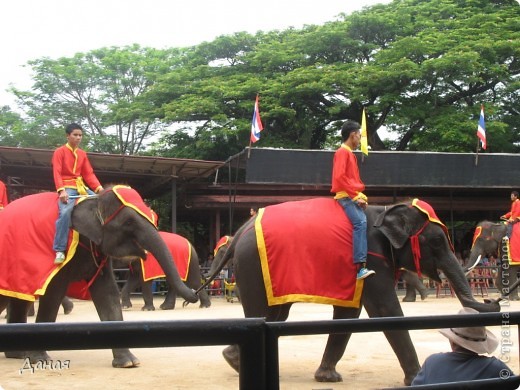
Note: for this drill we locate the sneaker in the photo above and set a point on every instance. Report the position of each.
(60, 258)
(505, 238)
(364, 273)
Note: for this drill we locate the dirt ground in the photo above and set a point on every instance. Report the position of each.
(368, 363)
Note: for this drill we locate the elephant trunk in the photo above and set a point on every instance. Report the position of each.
(460, 284)
(155, 244)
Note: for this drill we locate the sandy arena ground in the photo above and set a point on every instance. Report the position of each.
(368, 363)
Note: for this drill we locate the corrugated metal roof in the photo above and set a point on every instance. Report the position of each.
(148, 174)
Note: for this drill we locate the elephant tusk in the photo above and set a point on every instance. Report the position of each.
(473, 266)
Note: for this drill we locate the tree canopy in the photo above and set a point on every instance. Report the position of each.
(420, 68)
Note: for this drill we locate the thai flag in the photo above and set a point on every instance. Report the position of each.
(256, 124)
(481, 130)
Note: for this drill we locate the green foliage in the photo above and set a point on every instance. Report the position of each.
(420, 68)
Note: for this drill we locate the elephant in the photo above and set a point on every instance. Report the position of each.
(487, 241)
(116, 223)
(395, 234)
(193, 277)
(413, 284)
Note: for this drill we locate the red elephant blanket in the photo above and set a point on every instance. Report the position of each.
(514, 245)
(180, 249)
(26, 234)
(305, 249)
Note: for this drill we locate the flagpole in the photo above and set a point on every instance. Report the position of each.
(249, 150)
(476, 156)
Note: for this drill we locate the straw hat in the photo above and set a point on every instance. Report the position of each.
(477, 339)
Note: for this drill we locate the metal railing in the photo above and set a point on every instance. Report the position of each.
(257, 339)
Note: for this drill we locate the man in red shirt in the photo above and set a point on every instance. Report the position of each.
(347, 187)
(513, 216)
(3, 196)
(73, 176)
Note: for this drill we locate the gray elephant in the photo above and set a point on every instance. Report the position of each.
(186, 261)
(397, 237)
(116, 223)
(487, 241)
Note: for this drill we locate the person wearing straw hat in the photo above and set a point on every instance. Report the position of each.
(467, 361)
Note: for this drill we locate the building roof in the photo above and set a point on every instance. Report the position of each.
(151, 176)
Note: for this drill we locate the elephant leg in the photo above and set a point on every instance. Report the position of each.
(169, 300)
(513, 277)
(48, 307)
(335, 348)
(67, 305)
(204, 299)
(17, 313)
(410, 295)
(383, 302)
(146, 290)
(105, 295)
(274, 313)
(131, 285)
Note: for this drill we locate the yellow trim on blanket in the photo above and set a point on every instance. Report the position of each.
(272, 300)
(510, 260)
(150, 218)
(13, 294)
(71, 251)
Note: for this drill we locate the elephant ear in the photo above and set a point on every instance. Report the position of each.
(86, 221)
(395, 225)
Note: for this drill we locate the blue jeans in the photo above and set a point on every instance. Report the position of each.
(64, 220)
(358, 219)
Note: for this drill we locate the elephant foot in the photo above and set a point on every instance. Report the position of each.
(15, 355)
(424, 295)
(514, 298)
(232, 356)
(37, 356)
(148, 308)
(67, 307)
(204, 305)
(327, 375)
(125, 360)
(167, 306)
(126, 306)
(409, 299)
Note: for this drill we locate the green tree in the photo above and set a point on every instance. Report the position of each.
(100, 89)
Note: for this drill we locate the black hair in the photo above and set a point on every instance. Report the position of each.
(515, 193)
(347, 128)
(71, 127)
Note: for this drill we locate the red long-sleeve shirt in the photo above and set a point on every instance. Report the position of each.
(68, 165)
(3, 195)
(345, 175)
(515, 211)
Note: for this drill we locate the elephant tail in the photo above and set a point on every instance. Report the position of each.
(228, 255)
(218, 267)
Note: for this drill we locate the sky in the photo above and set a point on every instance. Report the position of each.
(32, 29)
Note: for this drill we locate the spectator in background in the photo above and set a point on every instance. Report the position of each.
(466, 361)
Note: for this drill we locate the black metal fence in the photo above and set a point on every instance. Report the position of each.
(258, 340)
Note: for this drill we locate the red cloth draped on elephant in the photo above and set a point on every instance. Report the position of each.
(180, 249)
(297, 264)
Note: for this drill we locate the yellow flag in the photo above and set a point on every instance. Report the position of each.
(364, 137)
